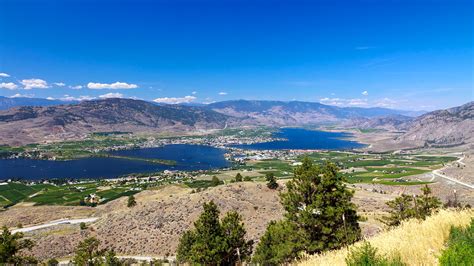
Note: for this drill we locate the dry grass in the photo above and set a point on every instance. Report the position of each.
(417, 243)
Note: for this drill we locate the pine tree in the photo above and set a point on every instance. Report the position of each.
(401, 208)
(318, 203)
(271, 181)
(426, 204)
(88, 253)
(214, 242)
(11, 245)
(280, 244)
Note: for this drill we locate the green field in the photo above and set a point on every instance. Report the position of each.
(386, 169)
(45, 194)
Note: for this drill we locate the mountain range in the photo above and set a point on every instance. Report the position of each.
(29, 124)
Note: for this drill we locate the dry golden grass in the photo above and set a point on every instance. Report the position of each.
(417, 243)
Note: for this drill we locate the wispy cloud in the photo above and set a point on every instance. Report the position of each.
(34, 84)
(111, 95)
(344, 102)
(175, 100)
(365, 93)
(194, 92)
(59, 84)
(111, 86)
(67, 97)
(8, 86)
(4, 75)
(18, 95)
(77, 87)
(357, 102)
(222, 93)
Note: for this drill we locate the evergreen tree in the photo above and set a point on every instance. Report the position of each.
(214, 242)
(111, 259)
(318, 203)
(238, 177)
(401, 208)
(11, 245)
(131, 201)
(271, 181)
(319, 216)
(280, 244)
(426, 204)
(237, 248)
(406, 207)
(88, 253)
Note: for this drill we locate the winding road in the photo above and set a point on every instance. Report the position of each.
(54, 223)
(439, 174)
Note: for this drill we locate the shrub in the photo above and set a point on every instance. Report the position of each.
(238, 177)
(366, 255)
(271, 181)
(460, 249)
(83, 226)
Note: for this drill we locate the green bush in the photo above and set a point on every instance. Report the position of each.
(460, 250)
(366, 255)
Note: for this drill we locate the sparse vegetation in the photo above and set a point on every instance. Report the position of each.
(406, 207)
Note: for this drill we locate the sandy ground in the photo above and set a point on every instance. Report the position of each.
(154, 226)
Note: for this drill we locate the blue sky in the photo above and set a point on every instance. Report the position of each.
(414, 55)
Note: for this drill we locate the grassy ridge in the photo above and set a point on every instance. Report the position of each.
(417, 243)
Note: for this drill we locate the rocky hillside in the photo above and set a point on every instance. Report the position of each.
(297, 113)
(454, 126)
(32, 124)
(389, 122)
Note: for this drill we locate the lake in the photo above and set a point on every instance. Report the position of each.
(298, 138)
(188, 157)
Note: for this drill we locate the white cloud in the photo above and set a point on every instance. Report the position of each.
(111, 95)
(222, 93)
(386, 102)
(175, 100)
(194, 92)
(34, 84)
(4, 75)
(59, 84)
(8, 86)
(50, 98)
(22, 96)
(111, 86)
(365, 93)
(78, 87)
(344, 102)
(73, 98)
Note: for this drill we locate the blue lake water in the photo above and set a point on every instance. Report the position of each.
(188, 157)
(298, 138)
